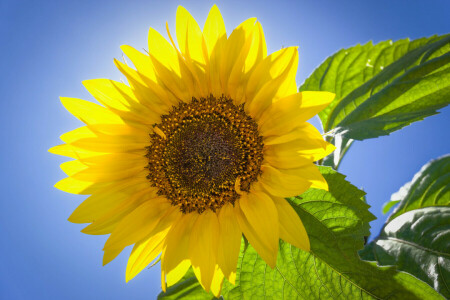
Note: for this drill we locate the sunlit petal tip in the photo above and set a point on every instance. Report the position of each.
(174, 275)
(137, 224)
(213, 31)
(53, 150)
(203, 247)
(281, 183)
(320, 98)
(217, 282)
(163, 281)
(59, 150)
(258, 220)
(329, 148)
(66, 102)
(127, 48)
(291, 227)
(74, 220)
(232, 278)
(229, 241)
(321, 184)
(110, 255)
(214, 16)
(121, 65)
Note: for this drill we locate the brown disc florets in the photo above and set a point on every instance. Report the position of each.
(203, 153)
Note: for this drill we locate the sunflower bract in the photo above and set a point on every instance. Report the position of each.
(200, 148)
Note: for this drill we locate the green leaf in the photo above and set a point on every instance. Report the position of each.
(336, 222)
(417, 242)
(382, 88)
(388, 205)
(429, 187)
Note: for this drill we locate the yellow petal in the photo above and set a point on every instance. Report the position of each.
(313, 103)
(71, 151)
(72, 167)
(161, 51)
(150, 93)
(297, 133)
(328, 149)
(108, 133)
(303, 141)
(75, 186)
(170, 67)
(110, 255)
(172, 215)
(163, 280)
(236, 46)
(176, 245)
(308, 143)
(217, 282)
(90, 113)
(64, 150)
(113, 129)
(310, 173)
(141, 61)
(270, 80)
(290, 112)
(235, 87)
(120, 98)
(178, 272)
(107, 221)
(291, 227)
(253, 52)
(203, 247)
(138, 223)
(229, 242)
(143, 253)
(278, 182)
(281, 116)
(106, 199)
(258, 49)
(258, 219)
(111, 93)
(109, 167)
(214, 29)
(216, 38)
(268, 69)
(76, 134)
(284, 158)
(192, 46)
(105, 143)
(314, 154)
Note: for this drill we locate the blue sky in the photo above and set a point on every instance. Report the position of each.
(48, 47)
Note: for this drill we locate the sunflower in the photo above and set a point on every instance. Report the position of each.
(200, 148)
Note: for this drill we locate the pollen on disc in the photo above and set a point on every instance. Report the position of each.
(202, 148)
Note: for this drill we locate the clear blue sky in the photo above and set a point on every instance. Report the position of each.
(48, 47)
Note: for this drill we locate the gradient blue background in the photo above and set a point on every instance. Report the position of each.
(48, 47)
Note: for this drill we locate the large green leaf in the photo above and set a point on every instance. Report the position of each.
(382, 88)
(429, 187)
(417, 242)
(336, 222)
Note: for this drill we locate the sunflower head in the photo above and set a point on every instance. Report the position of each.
(200, 148)
(204, 154)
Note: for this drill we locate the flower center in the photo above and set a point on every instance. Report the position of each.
(203, 153)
